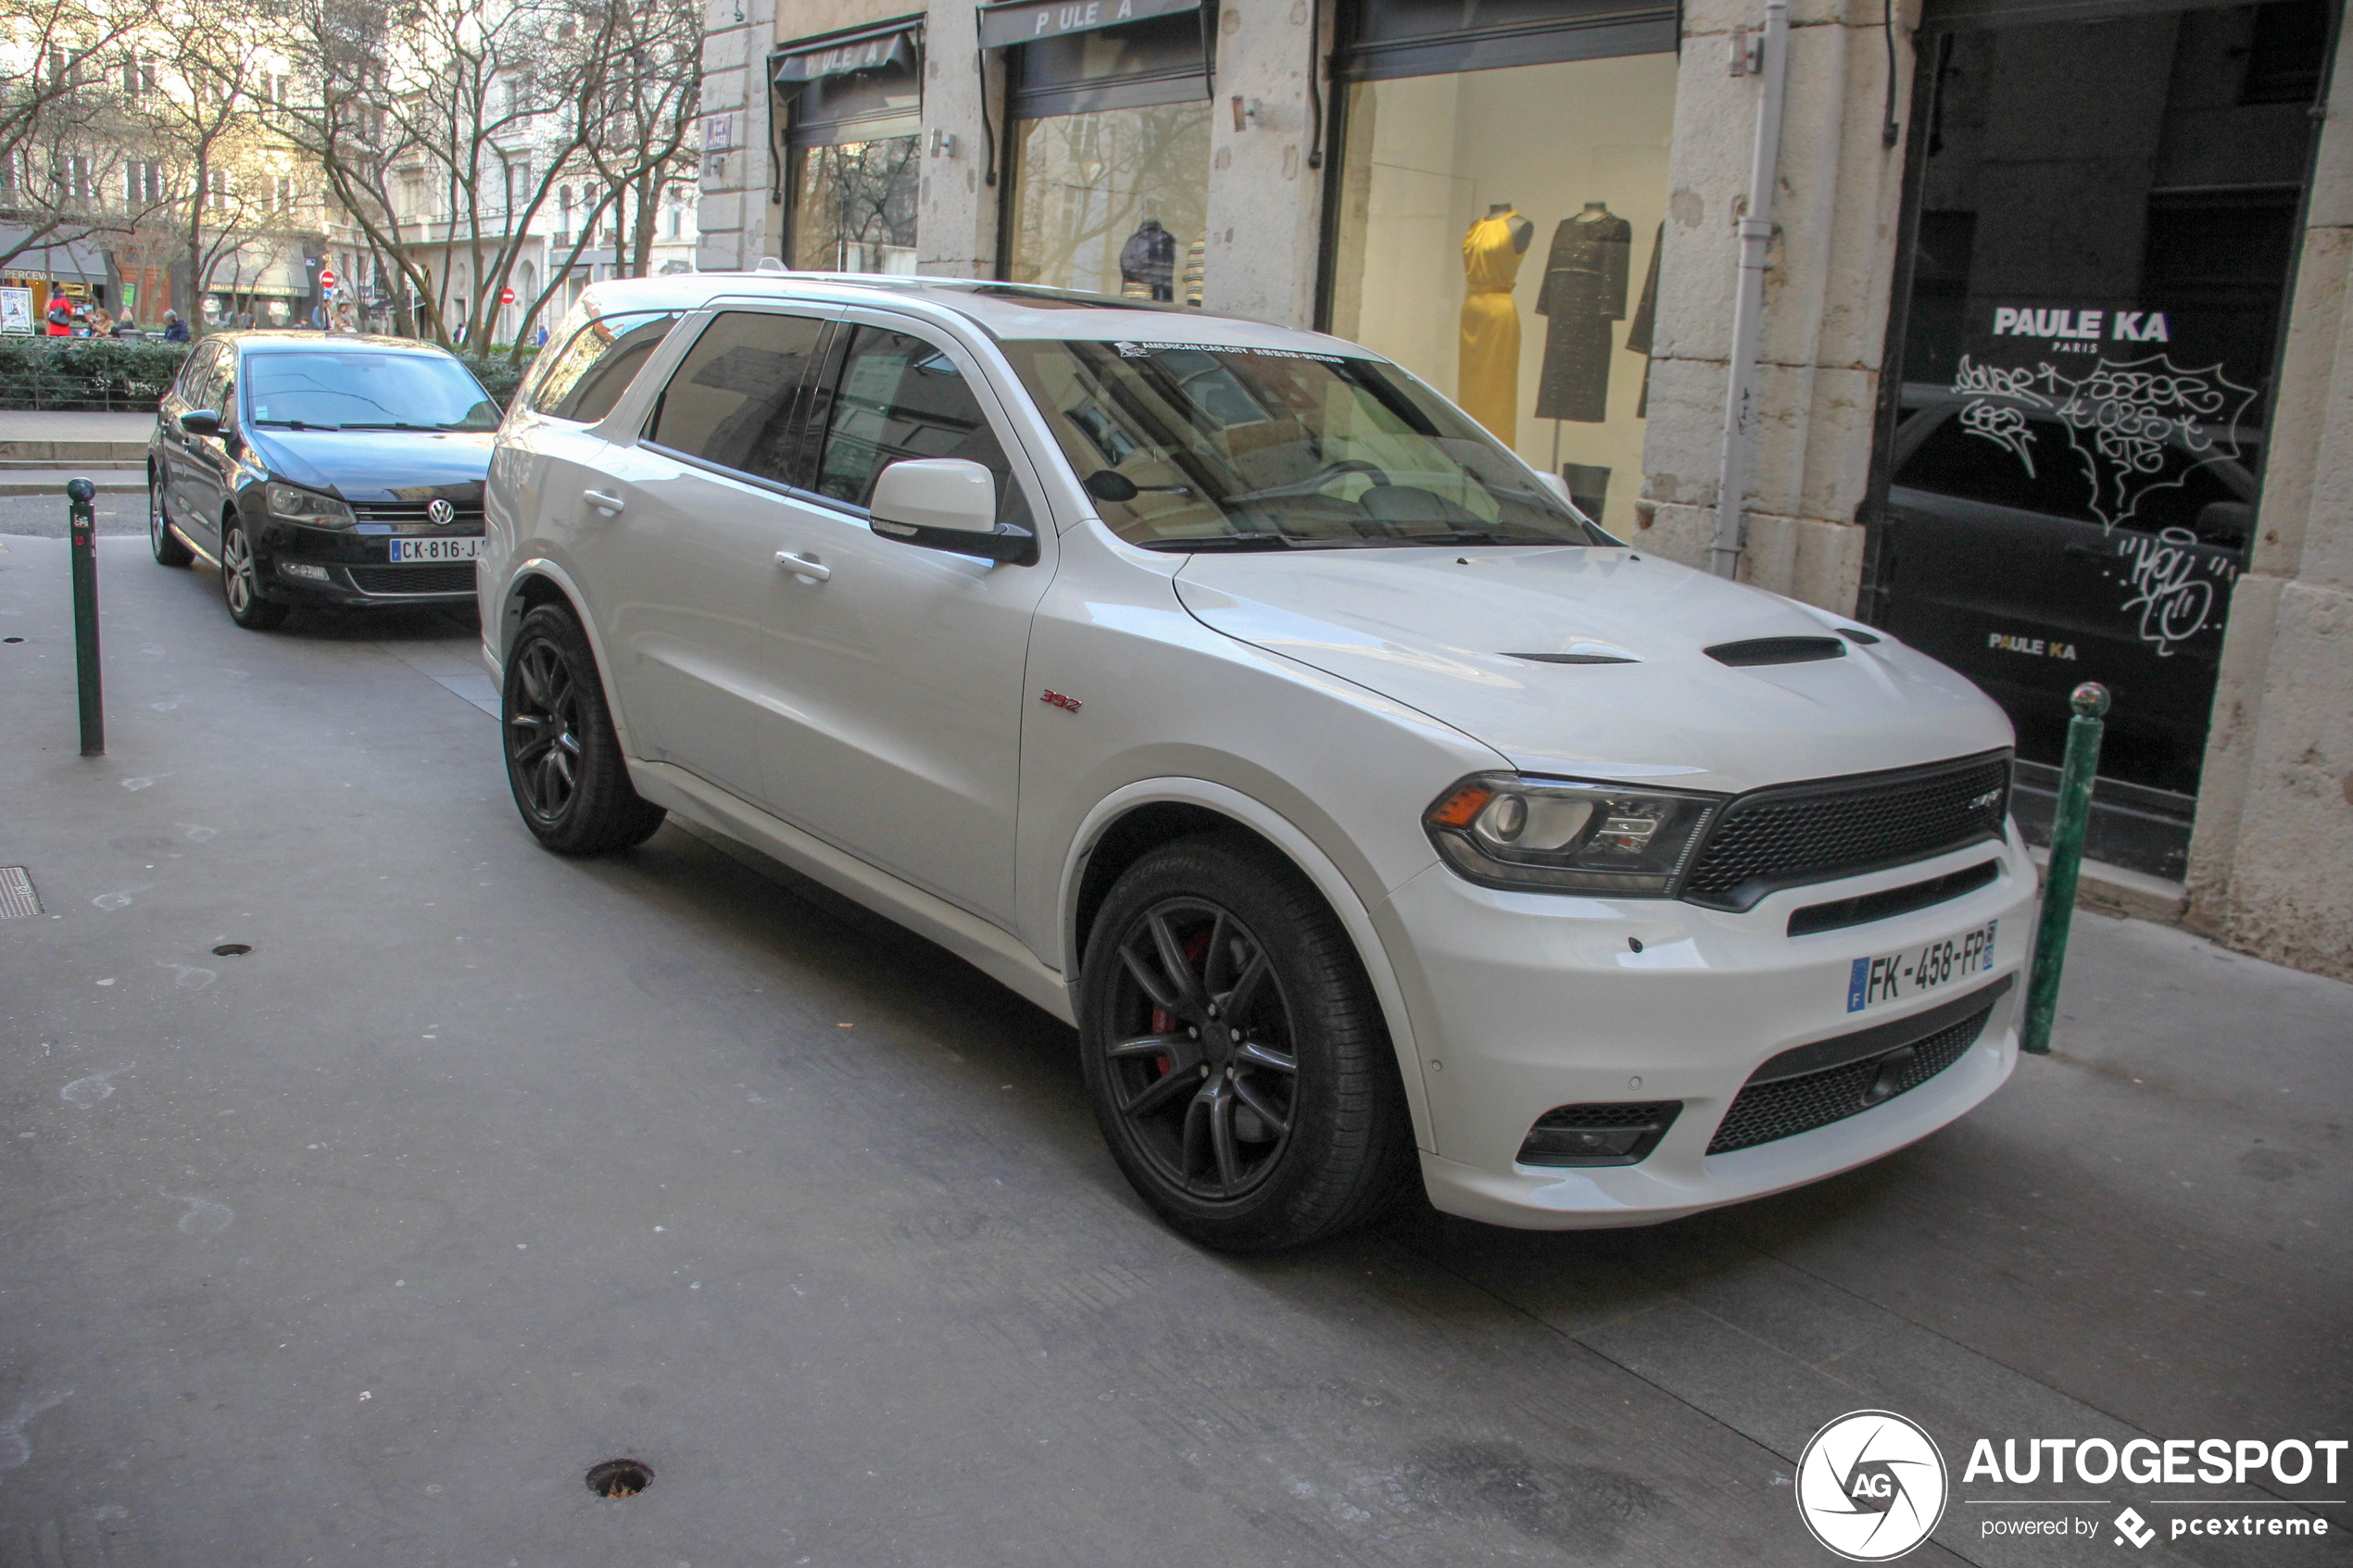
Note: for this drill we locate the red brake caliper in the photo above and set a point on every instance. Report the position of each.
(1164, 1021)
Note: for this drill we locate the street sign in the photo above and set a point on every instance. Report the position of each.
(506, 297)
(327, 277)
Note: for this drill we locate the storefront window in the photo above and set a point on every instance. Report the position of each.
(1111, 182)
(854, 108)
(854, 207)
(1498, 235)
(1114, 203)
(2105, 219)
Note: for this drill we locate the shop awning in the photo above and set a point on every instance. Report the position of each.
(876, 48)
(1003, 25)
(75, 261)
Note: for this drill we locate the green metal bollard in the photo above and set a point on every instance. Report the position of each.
(2074, 814)
(82, 530)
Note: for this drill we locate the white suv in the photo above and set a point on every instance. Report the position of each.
(1232, 697)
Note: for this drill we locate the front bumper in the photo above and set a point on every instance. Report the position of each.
(1522, 1002)
(354, 567)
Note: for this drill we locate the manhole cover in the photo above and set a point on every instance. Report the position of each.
(620, 1478)
(16, 897)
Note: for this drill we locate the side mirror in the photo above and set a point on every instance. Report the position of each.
(200, 421)
(946, 504)
(1556, 487)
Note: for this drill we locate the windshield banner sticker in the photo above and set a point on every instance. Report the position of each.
(1145, 350)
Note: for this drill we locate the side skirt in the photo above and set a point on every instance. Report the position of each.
(993, 951)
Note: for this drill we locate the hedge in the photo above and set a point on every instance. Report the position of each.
(129, 375)
(88, 375)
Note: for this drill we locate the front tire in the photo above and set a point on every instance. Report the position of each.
(240, 581)
(563, 760)
(168, 551)
(1237, 1060)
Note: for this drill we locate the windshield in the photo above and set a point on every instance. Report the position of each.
(1189, 448)
(366, 391)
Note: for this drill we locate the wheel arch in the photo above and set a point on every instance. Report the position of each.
(1134, 821)
(540, 581)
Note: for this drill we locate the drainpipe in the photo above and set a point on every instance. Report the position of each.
(1770, 58)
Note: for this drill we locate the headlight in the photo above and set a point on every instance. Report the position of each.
(1563, 837)
(309, 507)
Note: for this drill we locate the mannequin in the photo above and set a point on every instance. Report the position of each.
(1148, 263)
(1641, 330)
(1584, 291)
(1487, 383)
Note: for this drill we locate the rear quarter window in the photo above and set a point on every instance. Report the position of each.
(586, 377)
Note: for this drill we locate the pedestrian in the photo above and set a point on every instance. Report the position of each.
(347, 318)
(60, 317)
(125, 327)
(174, 329)
(101, 323)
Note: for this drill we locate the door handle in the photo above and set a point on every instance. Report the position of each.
(804, 567)
(604, 501)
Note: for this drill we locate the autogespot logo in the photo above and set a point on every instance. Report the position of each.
(1871, 1485)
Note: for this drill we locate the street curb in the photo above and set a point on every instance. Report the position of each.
(108, 483)
(2113, 890)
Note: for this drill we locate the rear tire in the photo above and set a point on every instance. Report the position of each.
(168, 551)
(240, 581)
(563, 760)
(1238, 1063)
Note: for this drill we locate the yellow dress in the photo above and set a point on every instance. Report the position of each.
(1488, 386)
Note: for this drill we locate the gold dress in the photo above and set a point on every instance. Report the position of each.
(1488, 386)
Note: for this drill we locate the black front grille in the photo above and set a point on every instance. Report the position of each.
(1869, 1068)
(441, 577)
(1890, 902)
(414, 511)
(1793, 833)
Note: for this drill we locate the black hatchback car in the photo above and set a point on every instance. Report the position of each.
(335, 470)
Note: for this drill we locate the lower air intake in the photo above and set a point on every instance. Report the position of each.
(1777, 1103)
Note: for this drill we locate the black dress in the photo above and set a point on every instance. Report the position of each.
(1584, 291)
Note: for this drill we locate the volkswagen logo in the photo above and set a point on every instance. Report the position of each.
(1871, 1485)
(441, 513)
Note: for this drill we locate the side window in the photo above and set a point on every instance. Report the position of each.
(901, 396)
(193, 372)
(219, 384)
(730, 402)
(595, 366)
(1957, 461)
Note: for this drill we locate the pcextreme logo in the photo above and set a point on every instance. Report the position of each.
(1871, 1485)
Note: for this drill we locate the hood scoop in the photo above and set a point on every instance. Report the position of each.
(1580, 652)
(1776, 651)
(1576, 657)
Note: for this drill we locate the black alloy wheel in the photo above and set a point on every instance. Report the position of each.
(563, 760)
(168, 551)
(1237, 1060)
(240, 581)
(1207, 1083)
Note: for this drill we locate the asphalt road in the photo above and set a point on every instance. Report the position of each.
(482, 1166)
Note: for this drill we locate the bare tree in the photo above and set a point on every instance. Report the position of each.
(63, 122)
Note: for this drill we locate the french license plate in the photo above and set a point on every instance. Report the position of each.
(1890, 977)
(437, 549)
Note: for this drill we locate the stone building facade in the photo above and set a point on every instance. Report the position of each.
(2054, 375)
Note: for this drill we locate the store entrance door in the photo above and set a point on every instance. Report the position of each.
(2104, 218)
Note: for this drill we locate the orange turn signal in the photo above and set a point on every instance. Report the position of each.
(1458, 809)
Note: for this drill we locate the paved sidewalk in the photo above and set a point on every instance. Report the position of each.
(482, 1166)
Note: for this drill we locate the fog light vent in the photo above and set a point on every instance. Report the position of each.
(1599, 1135)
